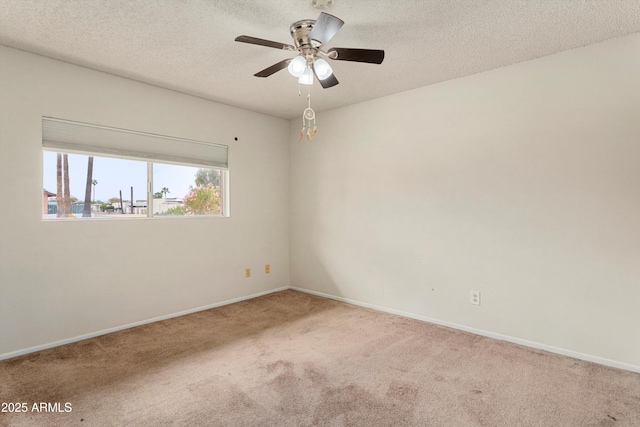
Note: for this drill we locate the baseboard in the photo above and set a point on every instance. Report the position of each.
(134, 324)
(526, 343)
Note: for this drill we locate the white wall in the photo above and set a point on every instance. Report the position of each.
(58, 279)
(522, 183)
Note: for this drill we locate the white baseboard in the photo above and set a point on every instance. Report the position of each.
(526, 343)
(134, 324)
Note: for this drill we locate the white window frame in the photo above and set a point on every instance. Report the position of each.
(172, 148)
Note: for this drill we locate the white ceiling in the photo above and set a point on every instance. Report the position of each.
(188, 45)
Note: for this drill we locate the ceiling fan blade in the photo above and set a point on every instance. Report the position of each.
(273, 69)
(325, 28)
(263, 42)
(330, 81)
(371, 56)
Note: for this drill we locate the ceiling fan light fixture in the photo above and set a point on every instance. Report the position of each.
(322, 69)
(306, 78)
(309, 37)
(297, 66)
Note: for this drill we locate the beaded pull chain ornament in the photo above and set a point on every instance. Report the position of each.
(307, 116)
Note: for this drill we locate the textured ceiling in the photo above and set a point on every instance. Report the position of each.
(188, 45)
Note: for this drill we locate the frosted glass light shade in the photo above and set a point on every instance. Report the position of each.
(322, 68)
(306, 78)
(297, 66)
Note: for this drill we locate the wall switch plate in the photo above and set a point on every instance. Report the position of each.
(247, 272)
(475, 297)
(267, 268)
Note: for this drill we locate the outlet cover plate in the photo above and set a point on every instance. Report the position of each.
(475, 297)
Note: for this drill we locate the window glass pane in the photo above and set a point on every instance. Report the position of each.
(184, 190)
(108, 177)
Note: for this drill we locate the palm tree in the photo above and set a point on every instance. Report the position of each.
(86, 212)
(164, 191)
(93, 182)
(59, 200)
(67, 191)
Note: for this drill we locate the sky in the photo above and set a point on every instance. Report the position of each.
(114, 175)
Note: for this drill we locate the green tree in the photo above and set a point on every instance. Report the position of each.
(157, 195)
(175, 210)
(165, 191)
(207, 176)
(205, 200)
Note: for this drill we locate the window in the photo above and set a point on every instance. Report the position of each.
(186, 190)
(97, 172)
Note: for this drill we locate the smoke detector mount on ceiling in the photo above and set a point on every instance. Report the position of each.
(321, 4)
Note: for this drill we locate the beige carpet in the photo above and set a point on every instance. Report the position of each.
(291, 359)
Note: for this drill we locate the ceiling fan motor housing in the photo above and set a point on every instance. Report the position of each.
(300, 32)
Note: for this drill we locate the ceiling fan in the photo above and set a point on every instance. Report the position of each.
(308, 38)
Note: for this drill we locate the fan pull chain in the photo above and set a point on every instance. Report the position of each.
(302, 131)
(303, 123)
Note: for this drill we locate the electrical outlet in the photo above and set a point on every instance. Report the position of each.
(267, 268)
(247, 272)
(475, 297)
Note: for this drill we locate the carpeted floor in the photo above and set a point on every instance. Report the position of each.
(292, 359)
